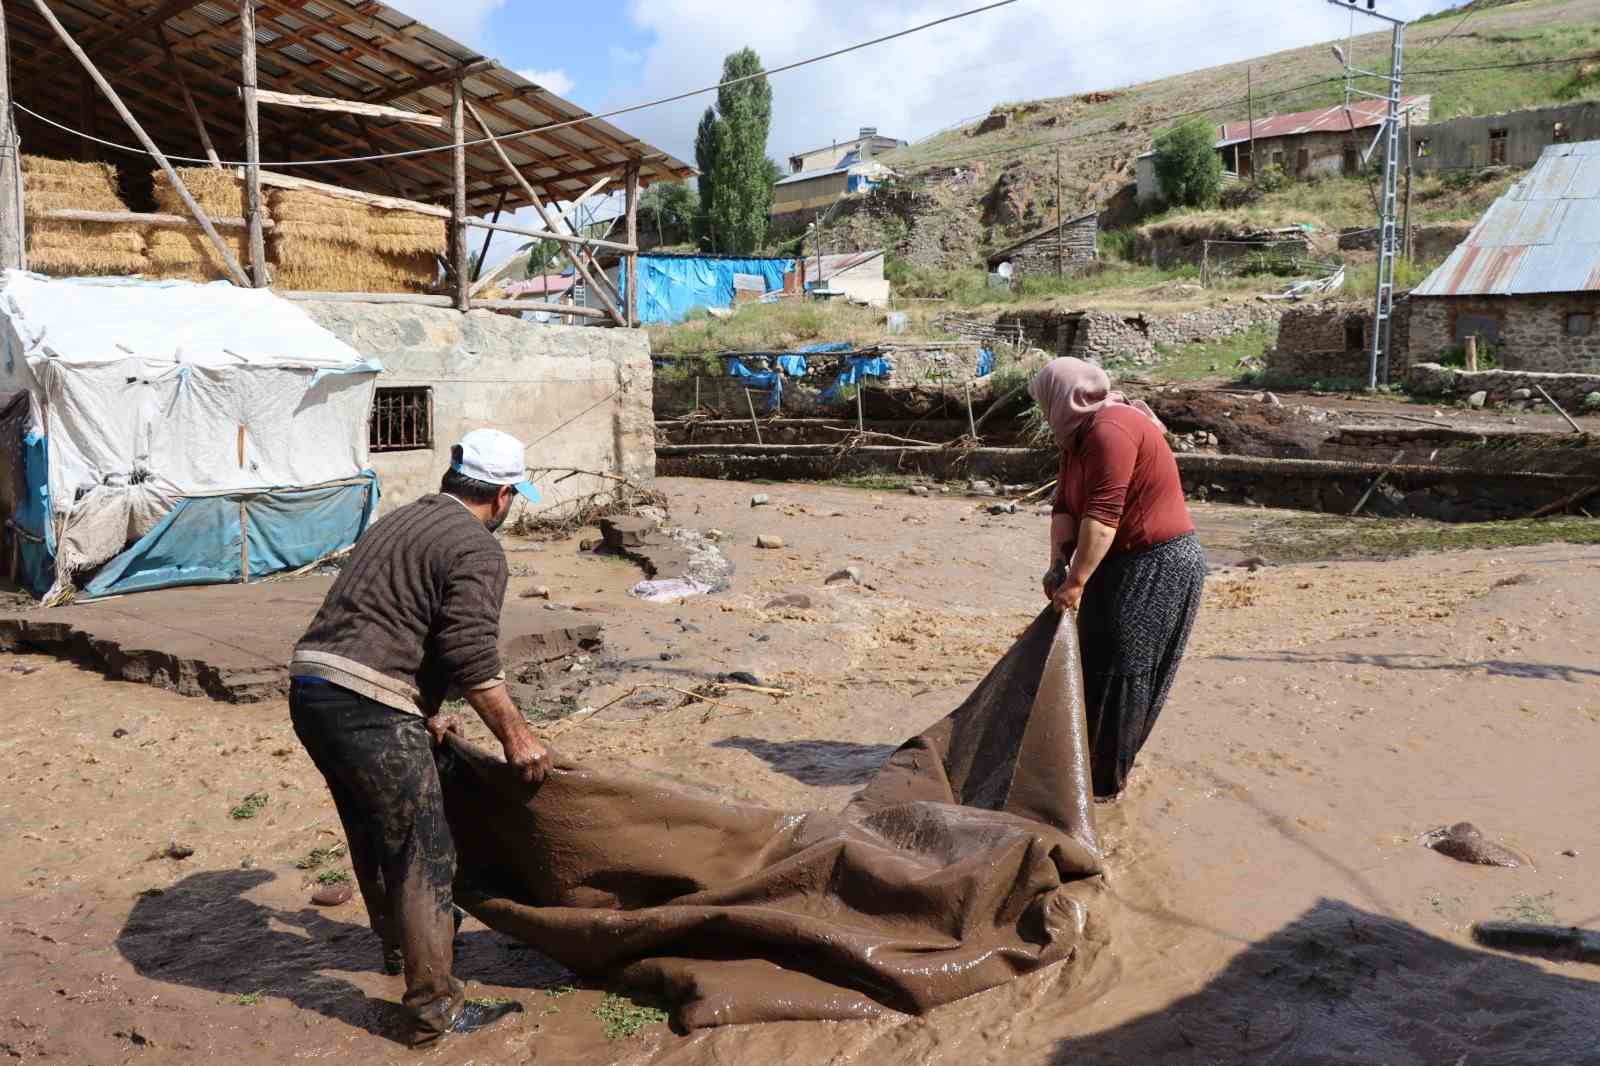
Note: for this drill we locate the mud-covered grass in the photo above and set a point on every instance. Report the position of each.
(1318, 538)
(1214, 360)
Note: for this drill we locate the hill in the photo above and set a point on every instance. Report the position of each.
(978, 186)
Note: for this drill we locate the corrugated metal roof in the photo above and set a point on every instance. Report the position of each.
(1543, 235)
(1362, 114)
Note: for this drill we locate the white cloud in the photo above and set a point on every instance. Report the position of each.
(916, 85)
(557, 81)
(464, 20)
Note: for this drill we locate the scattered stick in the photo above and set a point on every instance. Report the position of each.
(1551, 401)
(1040, 491)
(1565, 502)
(691, 697)
(884, 436)
(755, 422)
(1425, 421)
(1379, 480)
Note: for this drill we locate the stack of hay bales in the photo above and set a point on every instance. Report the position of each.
(330, 243)
(185, 252)
(77, 248)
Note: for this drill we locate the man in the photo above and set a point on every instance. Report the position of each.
(414, 617)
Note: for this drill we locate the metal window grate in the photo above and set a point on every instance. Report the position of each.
(402, 418)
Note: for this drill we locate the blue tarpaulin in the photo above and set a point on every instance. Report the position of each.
(855, 368)
(672, 286)
(209, 540)
(32, 519)
(793, 366)
(769, 380)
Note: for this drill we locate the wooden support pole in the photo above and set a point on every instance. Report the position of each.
(458, 203)
(351, 107)
(553, 235)
(605, 179)
(972, 425)
(141, 218)
(235, 271)
(575, 257)
(631, 200)
(1471, 358)
(188, 98)
(12, 241)
(252, 143)
(1551, 400)
(479, 278)
(755, 423)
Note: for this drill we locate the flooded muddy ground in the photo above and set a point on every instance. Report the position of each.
(1269, 897)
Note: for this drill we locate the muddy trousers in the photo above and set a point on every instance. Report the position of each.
(378, 763)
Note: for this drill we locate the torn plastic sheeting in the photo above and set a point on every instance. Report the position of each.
(769, 380)
(670, 287)
(211, 540)
(856, 368)
(667, 590)
(792, 365)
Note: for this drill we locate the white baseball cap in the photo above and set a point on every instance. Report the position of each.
(496, 458)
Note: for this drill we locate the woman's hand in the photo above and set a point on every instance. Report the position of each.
(1068, 595)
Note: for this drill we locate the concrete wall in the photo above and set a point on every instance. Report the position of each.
(1464, 142)
(588, 389)
(864, 282)
(1524, 332)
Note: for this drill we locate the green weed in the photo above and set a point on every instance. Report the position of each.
(1526, 908)
(249, 999)
(622, 1017)
(250, 806)
(318, 856)
(332, 877)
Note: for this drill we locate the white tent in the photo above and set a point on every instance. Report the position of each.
(150, 395)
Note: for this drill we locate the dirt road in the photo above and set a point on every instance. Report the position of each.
(1268, 898)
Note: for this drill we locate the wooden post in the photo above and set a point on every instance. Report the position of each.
(488, 235)
(458, 203)
(12, 244)
(235, 271)
(1407, 221)
(1472, 352)
(1058, 211)
(972, 426)
(1250, 102)
(697, 392)
(188, 99)
(754, 422)
(631, 199)
(252, 143)
(861, 419)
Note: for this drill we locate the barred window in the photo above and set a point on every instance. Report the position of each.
(402, 418)
(1580, 324)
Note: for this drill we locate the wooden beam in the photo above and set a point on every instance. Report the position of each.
(353, 107)
(154, 17)
(140, 218)
(458, 203)
(13, 241)
(531, 305)
(436, 78)
(234, 270)
(605, 179)
(252, 142)
(424, 299)
(273, 179)
(631, 192)
(188, 98)
(576, 258)
(478, 276)
(551, 235)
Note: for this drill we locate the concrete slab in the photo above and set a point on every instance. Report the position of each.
(232, 642)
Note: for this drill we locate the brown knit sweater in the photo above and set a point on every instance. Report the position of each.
(414, 616)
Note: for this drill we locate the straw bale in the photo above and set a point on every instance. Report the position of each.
(302, 263)
(48, 184)
(186, 253)
(85, 248)
(218, 192)
(301, 214)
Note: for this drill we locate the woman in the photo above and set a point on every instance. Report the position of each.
(1133, 566)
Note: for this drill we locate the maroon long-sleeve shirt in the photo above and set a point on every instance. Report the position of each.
(1120, 472)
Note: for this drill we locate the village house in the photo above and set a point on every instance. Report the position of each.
(823, 176)
(1515, 138)
(1065, 249)
(867, 145)
(1526, 281)
(1306, 144)
(380, 254)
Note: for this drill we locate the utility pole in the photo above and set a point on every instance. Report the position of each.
(1250, 102)
(1405, 226)
(1058, 211)
(12, 244)
(1389, 136)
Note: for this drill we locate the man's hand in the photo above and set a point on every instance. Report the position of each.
(527, 756)
(440, 724)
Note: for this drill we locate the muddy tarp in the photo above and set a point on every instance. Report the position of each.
(970, 858)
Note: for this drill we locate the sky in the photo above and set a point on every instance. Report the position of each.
(613, 53)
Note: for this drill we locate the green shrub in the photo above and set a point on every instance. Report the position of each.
(1187, 165)
(1272, 178)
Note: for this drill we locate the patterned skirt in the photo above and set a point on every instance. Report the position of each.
(1133, 624)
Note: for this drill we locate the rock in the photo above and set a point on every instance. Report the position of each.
(176, 850)
(980, 488)
(118, 734)
(538, 592)
(1273, 400)
(333, 895)
(760, 499)
(1002, 508)
(1254, 563)
(851, 574)
(1464, 843)
(1591, 402)
(741, 677)
(917, 490)
(665, 656)
(797, 600)
(767, 540)
(587, 545)
(1522, 394)
(1571, 853)
(626, 531)
(1477, 400)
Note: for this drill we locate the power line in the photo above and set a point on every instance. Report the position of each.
(536, 130)
(1472, 9)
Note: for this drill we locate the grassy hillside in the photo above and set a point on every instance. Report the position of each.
(1100, 134)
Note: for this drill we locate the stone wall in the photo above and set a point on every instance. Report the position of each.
(1329, 341)
(1106, 335)
(1463, 143)
(1435, 240)
(1038, 257)
(1571, 391)
(579, 397)
(1528, 332)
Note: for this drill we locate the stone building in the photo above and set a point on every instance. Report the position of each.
(1515, 138)
(1071, 247)
(1526, 281)
(1330, 342)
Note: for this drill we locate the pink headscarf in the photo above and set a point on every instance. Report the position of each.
(1070, 391)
